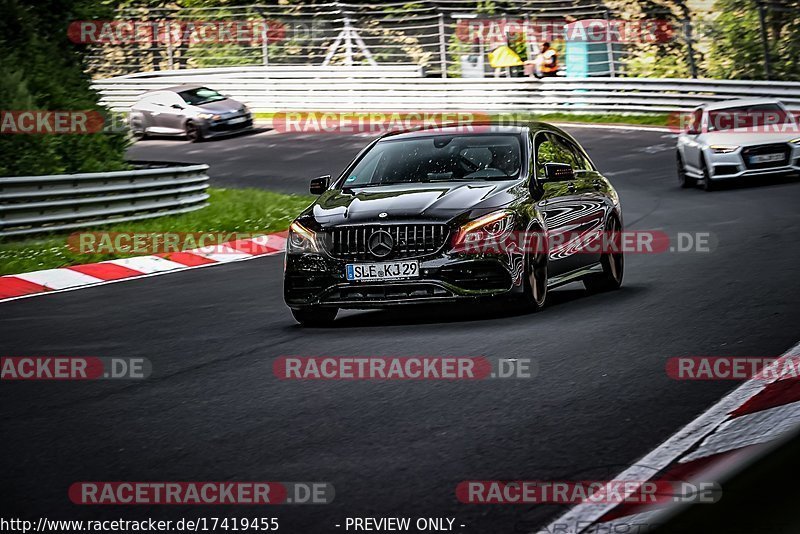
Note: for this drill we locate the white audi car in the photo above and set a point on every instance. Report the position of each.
(736, 139)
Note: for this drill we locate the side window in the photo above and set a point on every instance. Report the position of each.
(582, 163)
(549, 149)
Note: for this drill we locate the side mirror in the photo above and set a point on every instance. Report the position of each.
(176, 106)
(558, 172)
(319, 185)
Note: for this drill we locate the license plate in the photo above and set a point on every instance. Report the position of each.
(766, 158)
(391, 270)
(237, 120)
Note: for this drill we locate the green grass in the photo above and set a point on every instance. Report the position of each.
(650, 119)
(647, 119)
(230, 210)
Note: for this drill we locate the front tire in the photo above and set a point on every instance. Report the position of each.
(708, 183)
(613, 264)
(684, 181)
(193, 132)
(315, 316)
(534, 286)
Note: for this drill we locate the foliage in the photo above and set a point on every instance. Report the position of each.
(737, 49)
(41, 69)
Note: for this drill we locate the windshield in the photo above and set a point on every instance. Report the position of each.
(747, 117)
(441, 158)
(200, 96)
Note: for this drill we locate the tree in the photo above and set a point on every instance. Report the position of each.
(737, 48)
(40, 69)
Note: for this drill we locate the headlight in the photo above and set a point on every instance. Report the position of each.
(723, 149)
(795, 141)
(492, 227)
(209, 116)
(301, 239)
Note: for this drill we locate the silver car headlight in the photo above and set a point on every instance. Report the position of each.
(724, 149)
(209, 116)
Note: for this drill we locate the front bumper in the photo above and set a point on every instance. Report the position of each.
(320, 280)
(731, 166)
(223, 127)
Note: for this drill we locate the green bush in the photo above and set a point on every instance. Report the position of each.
(41, 69)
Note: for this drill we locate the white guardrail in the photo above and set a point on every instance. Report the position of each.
(383, 88)
(40, 204)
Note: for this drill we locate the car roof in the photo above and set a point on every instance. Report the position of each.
(497, 127)
(179, 88)
(739, 102)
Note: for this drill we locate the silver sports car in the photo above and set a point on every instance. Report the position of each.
(191, 110)
(736, 139)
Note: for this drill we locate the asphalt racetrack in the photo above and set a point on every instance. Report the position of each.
(212, 409)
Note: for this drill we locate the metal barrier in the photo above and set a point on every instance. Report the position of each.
(54, 203)
(266, 89)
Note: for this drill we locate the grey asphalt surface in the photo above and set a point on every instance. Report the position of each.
(261, 158)
(212, 409)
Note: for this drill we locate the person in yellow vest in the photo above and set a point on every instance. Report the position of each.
(546, 63)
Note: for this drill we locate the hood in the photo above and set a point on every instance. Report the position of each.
(227, 105)
(441, 201)
(745, 137)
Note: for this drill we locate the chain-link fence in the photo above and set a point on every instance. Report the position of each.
(447, 38)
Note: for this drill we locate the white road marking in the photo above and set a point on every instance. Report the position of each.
(221, 253)
(749, 429)
(59, 278)
(147, 264)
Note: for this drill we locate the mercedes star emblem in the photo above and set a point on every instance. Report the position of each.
(380, 243)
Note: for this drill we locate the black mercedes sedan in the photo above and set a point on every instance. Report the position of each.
(454, 213)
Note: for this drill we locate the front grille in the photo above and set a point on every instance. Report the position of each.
(410, 240)
(776, 148)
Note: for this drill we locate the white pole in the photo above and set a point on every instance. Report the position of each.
(442, 46)
(348, 43)
(264, 44)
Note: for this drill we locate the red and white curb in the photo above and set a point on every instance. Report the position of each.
(79, 276)
(742, 427)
